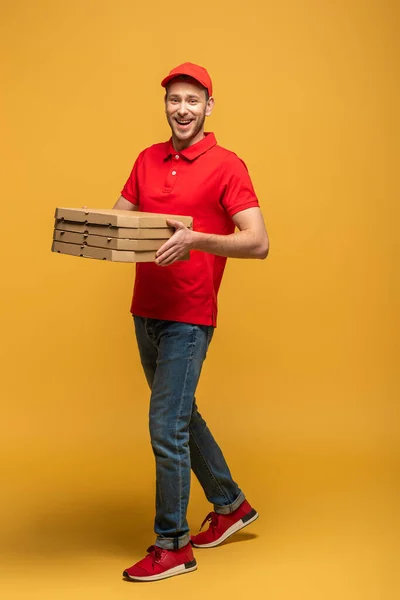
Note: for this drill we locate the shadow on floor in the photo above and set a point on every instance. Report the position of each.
(100, 527)
(116, 527)
(241, 536)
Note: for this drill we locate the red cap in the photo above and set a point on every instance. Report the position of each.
(191, 70)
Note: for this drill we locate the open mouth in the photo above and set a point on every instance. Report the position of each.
(183, 123)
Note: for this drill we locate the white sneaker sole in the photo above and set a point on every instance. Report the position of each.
(179, 570)
(233, 529)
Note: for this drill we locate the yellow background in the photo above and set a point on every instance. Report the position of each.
(301, 383)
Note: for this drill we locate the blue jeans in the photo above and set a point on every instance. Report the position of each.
(172, 356)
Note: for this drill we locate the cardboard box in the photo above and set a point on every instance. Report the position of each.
(105, 253)
(124, 235)
(107, 242)
(119, 218)
(163, 233)
(102, 253)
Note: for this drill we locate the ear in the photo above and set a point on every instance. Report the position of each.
(210, 106)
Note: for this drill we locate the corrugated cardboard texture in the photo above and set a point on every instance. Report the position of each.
(118, 218)
(116, 232)
(102, 253)
(107, 242)
(105, 253)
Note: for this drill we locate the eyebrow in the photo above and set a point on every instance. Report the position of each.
(190, 96)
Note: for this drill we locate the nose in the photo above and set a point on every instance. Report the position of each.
(182, 110)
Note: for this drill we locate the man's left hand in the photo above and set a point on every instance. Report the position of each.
(177, 246)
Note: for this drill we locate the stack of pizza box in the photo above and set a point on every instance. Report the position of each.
(114, 235)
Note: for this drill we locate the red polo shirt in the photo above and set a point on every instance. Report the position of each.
(211, 185)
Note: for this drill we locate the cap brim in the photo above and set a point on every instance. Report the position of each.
(169, 78)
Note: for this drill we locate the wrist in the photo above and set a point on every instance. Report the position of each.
(196, 240)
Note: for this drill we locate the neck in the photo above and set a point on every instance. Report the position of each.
(183, 144)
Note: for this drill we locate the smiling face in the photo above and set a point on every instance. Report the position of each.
(186, 107)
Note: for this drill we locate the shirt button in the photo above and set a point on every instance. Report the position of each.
(173, 172)
(177, 156)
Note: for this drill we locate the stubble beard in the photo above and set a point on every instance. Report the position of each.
(178, 135)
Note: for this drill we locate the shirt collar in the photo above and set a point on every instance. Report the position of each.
(194, 151)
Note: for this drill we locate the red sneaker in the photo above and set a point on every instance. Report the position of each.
(223, 526)
(161, 563)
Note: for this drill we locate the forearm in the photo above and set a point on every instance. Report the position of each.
(124, 204)
(241, 244)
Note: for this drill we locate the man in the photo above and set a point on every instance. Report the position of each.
(175, 312)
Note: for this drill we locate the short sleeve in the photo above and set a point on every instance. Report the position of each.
(130, 190)
(237, 189)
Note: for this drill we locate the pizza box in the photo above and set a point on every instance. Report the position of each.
(119, 218)
(115, 232)
(105, 253)
(107, 242)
